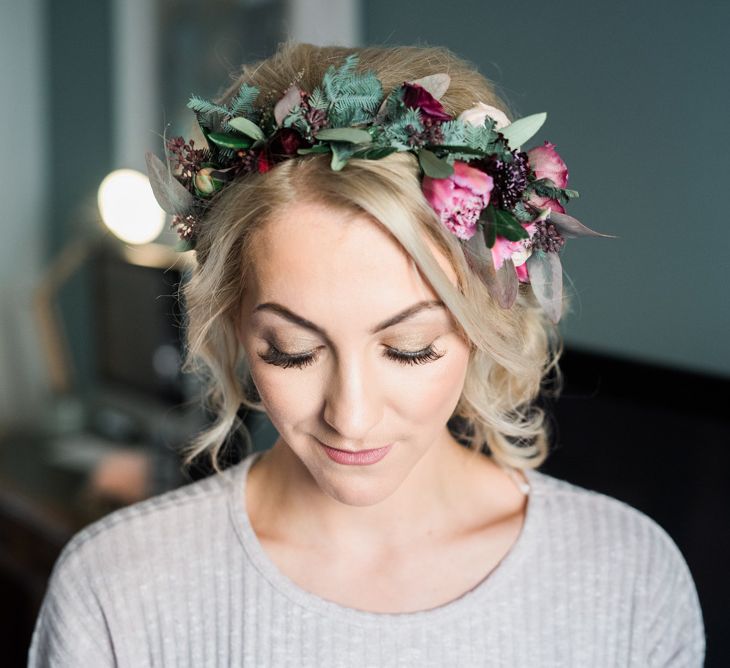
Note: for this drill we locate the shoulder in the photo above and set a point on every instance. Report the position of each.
(626, 555)
(134, 536)
(598, 518)
(603, 525)
(114, 569)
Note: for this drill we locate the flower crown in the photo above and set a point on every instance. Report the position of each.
(506, 205)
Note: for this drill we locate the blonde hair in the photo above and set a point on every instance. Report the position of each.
(513, 350)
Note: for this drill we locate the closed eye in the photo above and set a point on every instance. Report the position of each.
(278, 358)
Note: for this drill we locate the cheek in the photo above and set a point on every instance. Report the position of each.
(288, 395)
(427, 395)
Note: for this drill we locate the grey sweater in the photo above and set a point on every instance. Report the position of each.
(181, 580)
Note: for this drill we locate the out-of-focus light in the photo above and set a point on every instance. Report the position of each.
(128, 207)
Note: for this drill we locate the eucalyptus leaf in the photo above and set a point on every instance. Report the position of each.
(523, 129)
(170, 194)
(546, 279)
(570, 227)
(506, 285)
(229, 141)
(341, 153)
(479, 258)
(375, 153)
(434, 166)
(436, 84)
(351, 135)
(319, 148)
(184, 245)
(249, 128)
(502, 285)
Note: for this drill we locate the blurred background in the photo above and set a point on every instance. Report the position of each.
(93, 405)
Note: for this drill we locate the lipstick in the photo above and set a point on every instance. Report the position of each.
(359, 458)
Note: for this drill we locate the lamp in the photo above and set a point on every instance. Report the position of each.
(128, 207)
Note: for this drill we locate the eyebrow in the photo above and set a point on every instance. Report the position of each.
(308, 324)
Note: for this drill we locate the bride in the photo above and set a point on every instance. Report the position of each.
(389, 301)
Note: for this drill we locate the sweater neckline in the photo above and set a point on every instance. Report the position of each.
(474, 598)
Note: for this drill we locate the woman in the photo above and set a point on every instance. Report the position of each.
(382, 281)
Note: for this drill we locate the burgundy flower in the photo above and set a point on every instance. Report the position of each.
(417, 97)
(284, 144)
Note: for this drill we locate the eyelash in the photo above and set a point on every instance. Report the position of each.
(278, 358)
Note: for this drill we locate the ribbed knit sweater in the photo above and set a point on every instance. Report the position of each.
(181, 579)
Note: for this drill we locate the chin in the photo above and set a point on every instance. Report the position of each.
(355, 491)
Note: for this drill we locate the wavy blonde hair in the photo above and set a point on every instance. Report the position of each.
(513, 351)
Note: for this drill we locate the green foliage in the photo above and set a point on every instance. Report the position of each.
(433, 166)
(483, 137)
(547, 188)
(201, 106)
(318, 100)
(396, 133)
(242, 104)
(353, 98)
(498, 222)
(454, 132)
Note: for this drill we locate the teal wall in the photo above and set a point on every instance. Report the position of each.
(637, 96)
(80, 119)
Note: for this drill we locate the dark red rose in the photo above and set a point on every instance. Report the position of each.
(417, 97)
(284, 143)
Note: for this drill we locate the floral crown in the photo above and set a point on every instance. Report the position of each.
(506, 205)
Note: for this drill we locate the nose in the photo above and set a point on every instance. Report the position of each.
(353, 402)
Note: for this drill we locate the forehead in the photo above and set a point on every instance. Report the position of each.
(319, 258)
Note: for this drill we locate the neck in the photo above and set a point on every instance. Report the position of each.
(446, 487)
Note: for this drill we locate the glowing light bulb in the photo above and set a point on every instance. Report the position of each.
(128, 207)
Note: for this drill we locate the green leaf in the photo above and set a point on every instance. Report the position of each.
(184, 245)
(341, 153)
(503, 223)
(460, 149)
(523, 129)
(569, 227)
(249, 128)
(229, 141)
(375, 153)
(490, 230)
(351, 135)
(319, 148)
(434, 166)
(506, 225)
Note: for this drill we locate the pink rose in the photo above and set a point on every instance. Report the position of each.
(517, 251)
(416, 96)
(460, 198)
(547, 164)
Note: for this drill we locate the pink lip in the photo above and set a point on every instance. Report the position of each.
(359, 458)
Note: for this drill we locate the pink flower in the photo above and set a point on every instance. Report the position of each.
(517, 251)
(547, 164)
(460, 198)
(416, 96)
